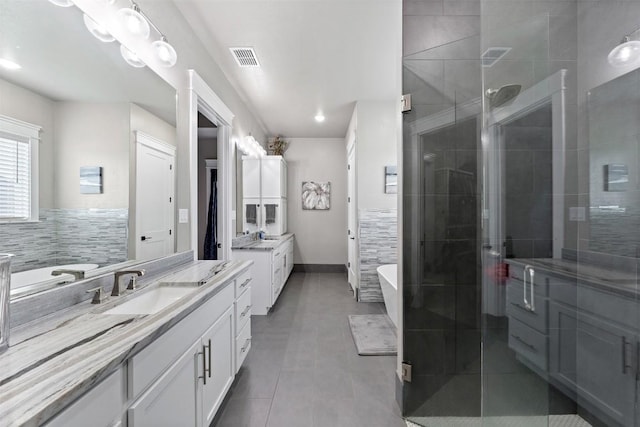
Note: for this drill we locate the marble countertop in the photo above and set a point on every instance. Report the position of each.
(614, 280)
(267, 244)
(55, 361)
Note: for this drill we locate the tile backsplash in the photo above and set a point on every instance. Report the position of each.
(66, 236)
(378, 246)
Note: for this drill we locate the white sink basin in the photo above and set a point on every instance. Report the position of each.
(152, 301)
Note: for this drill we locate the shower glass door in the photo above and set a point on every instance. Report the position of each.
(522, 95)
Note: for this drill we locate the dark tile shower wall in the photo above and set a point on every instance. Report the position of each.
(442, 293)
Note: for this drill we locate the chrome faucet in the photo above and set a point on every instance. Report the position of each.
(116, 283)
(77, 274)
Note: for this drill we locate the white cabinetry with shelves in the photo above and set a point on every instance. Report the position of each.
(264, 193)
(270, 270)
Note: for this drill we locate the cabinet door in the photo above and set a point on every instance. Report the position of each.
(562, 345)
(172, 400)
(251, 178)
(101, 406)
(271, 177)
(218, 343)
(604, 372)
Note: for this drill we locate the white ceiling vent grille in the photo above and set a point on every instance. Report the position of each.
(493, 55)
(245, 56)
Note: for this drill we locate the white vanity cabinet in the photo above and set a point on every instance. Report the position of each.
(270, 270)
(191, 389)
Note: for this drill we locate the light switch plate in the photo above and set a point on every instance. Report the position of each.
(577, 213)
(183, 216)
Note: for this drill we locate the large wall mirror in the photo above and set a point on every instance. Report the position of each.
(614, 217)
(89, 105)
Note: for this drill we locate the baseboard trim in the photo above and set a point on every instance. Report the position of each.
(319, 268)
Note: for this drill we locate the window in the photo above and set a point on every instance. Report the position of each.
(18, 170)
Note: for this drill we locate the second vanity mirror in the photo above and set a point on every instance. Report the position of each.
(89, 105)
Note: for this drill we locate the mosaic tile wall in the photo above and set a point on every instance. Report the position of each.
(65, 236)
(378, 246)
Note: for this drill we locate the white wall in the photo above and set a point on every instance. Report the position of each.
(88, 134)
(376, 139)
(320, 236)
(22, 104)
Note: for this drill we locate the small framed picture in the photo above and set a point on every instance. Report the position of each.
(616, 177)
(316, 195)
(391, 179)
(90, 180)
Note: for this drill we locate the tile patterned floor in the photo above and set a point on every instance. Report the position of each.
(303, 369)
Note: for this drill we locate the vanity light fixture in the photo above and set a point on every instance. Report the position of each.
(627, 51)
(97, 30)
(131, 57)
(250, 147)
(319, 118)
(9, 65)
(134, 21)
(166, 53)
(62, 3)
(138, 23)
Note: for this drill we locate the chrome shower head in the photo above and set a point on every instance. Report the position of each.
(503, 94)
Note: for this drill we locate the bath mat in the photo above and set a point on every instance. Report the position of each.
(374, 334)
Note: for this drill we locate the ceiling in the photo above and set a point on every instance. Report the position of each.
(316, 56)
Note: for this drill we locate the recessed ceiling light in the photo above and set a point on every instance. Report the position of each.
(9, 65)
(319, 118)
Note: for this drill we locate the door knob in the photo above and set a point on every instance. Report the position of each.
(143, 238)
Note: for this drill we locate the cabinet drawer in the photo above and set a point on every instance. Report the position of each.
(242, 281)
(540, 279)
(528, 343)
(154, 359)
(101, 406)
(243, 310)
(515, 307)
(243, 345)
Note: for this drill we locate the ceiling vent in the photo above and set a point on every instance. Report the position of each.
(493, 55)
(245, 56)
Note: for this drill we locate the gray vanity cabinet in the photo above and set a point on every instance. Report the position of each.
(606, 375)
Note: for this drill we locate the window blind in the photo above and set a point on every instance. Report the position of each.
(15, 177)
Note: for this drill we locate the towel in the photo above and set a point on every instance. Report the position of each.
(270, 214)
(251, 214)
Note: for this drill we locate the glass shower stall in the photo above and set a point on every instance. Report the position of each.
(521, 213)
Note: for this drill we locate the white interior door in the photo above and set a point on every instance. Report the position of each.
(352, 233)
(154, 209)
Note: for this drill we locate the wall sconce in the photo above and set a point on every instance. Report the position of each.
(136, 23)
(250, 147)
(627, 52)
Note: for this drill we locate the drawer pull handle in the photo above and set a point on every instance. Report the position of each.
(205, 371)
(245, 283)
(625, 365)
(245, 311)
(529, 304)
(209, 347)
(520, 340)
(246, 345)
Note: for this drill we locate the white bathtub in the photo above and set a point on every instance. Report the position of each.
(39, 275)
(388, 275)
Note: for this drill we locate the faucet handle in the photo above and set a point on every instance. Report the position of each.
(97, 296)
